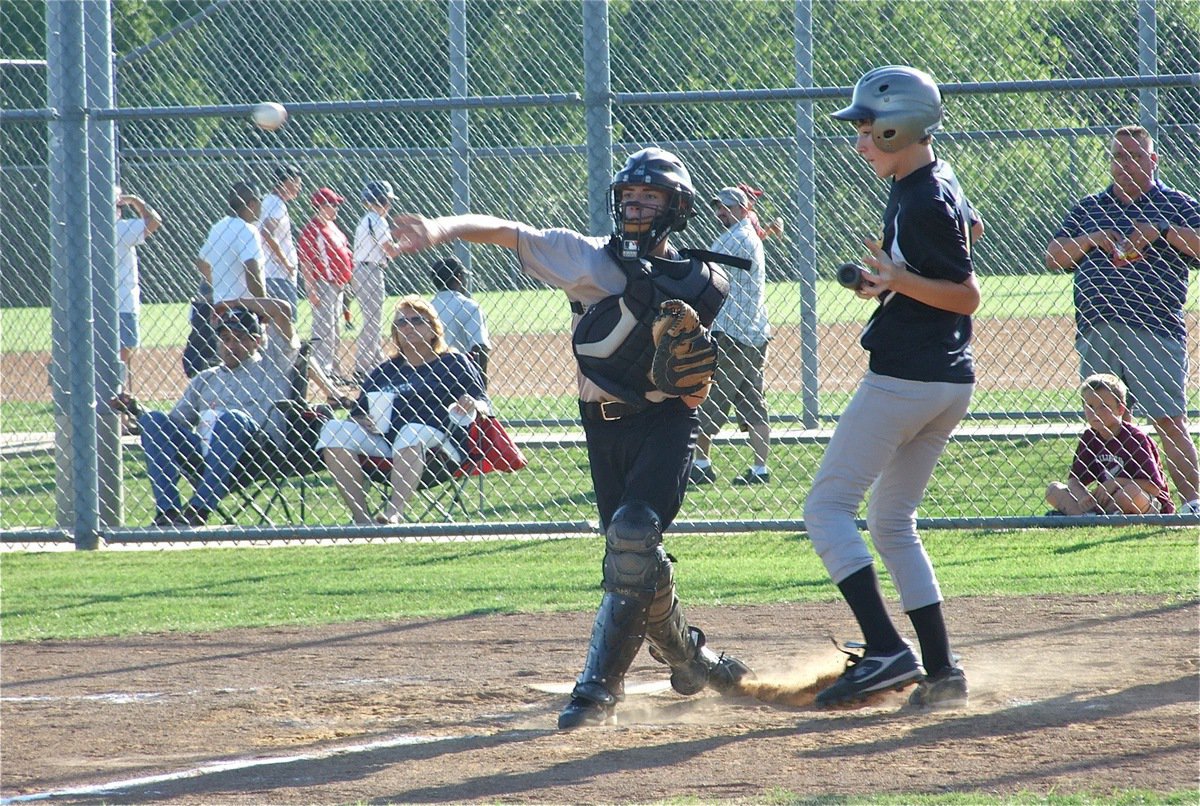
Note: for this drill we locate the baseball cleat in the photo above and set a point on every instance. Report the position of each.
(871, 672)
(702, 475)
(581, 712)
(946, 689)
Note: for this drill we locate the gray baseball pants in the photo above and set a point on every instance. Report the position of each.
(326, 315)
(888, 440)
(368, 290)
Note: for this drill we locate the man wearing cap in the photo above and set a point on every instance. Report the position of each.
(462, 317)
(373, 248)
(275, 226)
(231, 259)
(222, 411)
(327, 263)
(741, 332)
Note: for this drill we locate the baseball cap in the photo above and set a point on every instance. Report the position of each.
(240, 320)
(378, 191)
(286, 172)
(326, 196)
(447, 269)
(731, 197)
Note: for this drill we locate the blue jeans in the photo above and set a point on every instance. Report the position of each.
(284, 289)
(170, 447)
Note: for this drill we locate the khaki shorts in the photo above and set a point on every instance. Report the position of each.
(1154, 367)
(738, 382)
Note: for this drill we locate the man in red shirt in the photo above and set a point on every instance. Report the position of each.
(327, 263)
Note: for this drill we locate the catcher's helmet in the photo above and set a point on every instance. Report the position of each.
(660, 169)
(378, 191)
(902, 104)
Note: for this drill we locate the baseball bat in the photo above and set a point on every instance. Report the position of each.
(850, 276)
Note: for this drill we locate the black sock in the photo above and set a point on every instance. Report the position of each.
(861, 591)
(931, 633)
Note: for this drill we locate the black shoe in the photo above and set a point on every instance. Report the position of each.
(702, 475)
(946, 689)
(707, 668)
(168, 517)
(194, 516)
(1054, 513)
(750, 477)
(871, 672)
(591, 704)
(729, 674)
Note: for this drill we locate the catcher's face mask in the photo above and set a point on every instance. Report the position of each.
(659, 170)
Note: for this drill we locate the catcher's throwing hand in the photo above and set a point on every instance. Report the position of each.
(685, 357)
(412, 233)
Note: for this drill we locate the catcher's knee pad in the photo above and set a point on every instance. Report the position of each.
(634, 556)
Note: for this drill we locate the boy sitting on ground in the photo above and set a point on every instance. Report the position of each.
(1116, 469)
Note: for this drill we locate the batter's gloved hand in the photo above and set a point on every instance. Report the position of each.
(685, 356)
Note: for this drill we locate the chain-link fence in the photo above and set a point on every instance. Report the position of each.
(522, 110)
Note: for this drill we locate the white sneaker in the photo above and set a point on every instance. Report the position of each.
(1190, 508)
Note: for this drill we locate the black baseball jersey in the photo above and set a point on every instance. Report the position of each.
(927, 227)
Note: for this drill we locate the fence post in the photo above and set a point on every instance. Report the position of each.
(804, 245)
(97, 32)
(72, 351)
(597, 97)
(1147, 25)
(460, 123)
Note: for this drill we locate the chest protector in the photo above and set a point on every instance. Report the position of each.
(613, 342)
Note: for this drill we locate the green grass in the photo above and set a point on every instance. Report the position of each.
(91, 594)
(545, 310)
(1007, 478)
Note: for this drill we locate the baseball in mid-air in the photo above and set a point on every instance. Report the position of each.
(269, 116)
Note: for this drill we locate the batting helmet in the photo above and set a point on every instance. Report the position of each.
(903, 106)
(378, 192)
(661, 169)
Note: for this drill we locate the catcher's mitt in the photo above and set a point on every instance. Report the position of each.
(685, 357)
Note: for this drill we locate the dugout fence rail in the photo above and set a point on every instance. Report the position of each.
(522, 110)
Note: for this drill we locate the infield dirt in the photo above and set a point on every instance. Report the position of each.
(1069, 695)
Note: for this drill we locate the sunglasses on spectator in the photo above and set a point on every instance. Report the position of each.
(412, 320)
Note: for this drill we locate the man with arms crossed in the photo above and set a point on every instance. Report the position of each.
(1131, 246)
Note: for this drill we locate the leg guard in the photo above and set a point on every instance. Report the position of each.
(633, 543)
(673, 642)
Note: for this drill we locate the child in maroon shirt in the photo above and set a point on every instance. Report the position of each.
(1116, 470)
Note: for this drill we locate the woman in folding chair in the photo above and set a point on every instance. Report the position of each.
(409, 406)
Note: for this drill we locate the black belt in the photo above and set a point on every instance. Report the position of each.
(610, 410)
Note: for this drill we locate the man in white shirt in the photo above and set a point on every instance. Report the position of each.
(231, 259)
(131, 233)
(462, 317)
(275, 226)
(741, 332)
(373, 248)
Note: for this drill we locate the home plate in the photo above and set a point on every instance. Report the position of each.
(652, 687)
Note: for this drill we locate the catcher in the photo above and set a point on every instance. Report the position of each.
(645, 362)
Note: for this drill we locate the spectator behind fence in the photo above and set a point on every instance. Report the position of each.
(327, 263)
(741, 332)
(466, 328)
(1116, 469)
(774, 229)
(373, 248)
(408, 407)
(131, 233)
(222, 411)
(279, 245)
(917, 389)
(1131, 246)
(231, 259)
(639, 437)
